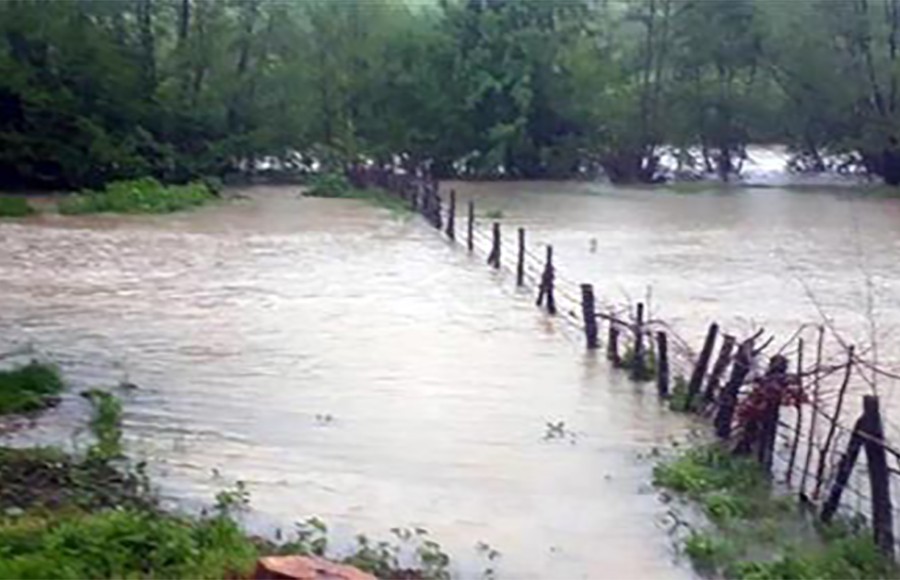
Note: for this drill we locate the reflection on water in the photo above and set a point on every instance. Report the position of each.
(355, 367)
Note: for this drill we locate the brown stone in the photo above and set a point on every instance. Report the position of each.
(305, 568)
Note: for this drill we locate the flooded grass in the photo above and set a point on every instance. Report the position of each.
(29, 388)
(757, 534)
(336, 186)
(145, 195)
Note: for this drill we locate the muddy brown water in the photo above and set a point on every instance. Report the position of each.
(349, 365)
(355, 366)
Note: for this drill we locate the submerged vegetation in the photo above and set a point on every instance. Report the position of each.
(337, 186)
(29, 388)
(757, 534)
(145, 195)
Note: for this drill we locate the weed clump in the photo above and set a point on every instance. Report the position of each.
(758, 535)
(29, 388)
(145, 195)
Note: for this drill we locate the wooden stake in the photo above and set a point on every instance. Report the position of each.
(589, 316)
(612, 346)
(882, 511)
(494, 256)
(718, 370)
(546, 289)
(451, 216)
(638, 364)
(470, 242)
(823, 453)
(844, 469)
(729, 395)
(662, 364)
(700, 368)
(520, 262)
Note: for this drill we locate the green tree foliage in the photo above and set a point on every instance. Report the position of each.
(97, 90)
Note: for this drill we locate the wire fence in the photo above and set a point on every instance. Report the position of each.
(793, 405)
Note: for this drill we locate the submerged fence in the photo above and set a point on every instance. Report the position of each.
(787, 407)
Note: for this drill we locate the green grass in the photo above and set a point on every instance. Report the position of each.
(145, 195)
(125, 543)
(15, 207)
(336, 186)
(29, 388)
(758, 535)
(494, 214)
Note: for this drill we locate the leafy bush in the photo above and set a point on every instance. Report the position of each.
(29, 388)
(15, 207)
(334, 185)
(145, 195)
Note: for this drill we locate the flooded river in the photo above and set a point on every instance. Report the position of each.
(355, 366)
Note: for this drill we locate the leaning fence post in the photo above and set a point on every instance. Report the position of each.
(451, 216)
(589, 315)
(470, 242)
(844, 469)
(718, 370)
(638, 364)
(662, 364)
(729, 395)
(882, 516)
(494, 256)
(823, 451)
(520, 262)
(701, 366)
(546, 289)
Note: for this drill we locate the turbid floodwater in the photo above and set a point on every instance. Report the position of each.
(347, 364)
(351, 364)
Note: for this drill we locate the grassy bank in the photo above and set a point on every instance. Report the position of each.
(336, 186)
(145, 195)
(754, 533)
(29, 388)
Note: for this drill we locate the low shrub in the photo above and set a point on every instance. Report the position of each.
(15, 207)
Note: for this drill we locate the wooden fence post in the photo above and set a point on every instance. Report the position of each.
(700, 368)
(882, 516)
(494, 256)
(662, 364)
(729, 395)
(612, 345)
(546, 289)
(638, 363)
(451, 216)
(470, 242)
(718, 370)
(844, 469)
(778, 382)
(823, 451)
(589, 315)
(520, 262)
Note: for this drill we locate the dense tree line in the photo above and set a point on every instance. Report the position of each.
(94, 89)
